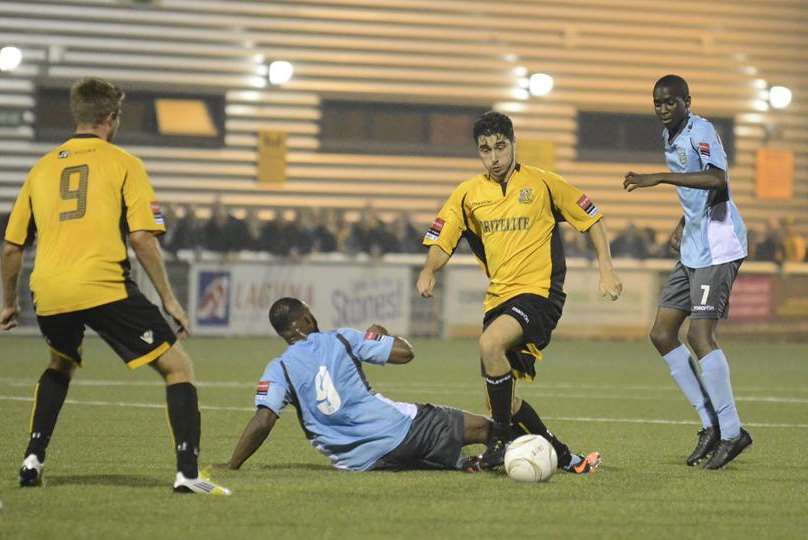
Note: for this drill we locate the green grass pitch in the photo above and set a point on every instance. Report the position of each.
(110, 463)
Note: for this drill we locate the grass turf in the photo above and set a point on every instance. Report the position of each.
(110, 464)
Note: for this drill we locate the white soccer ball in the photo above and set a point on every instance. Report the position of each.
(530, 458)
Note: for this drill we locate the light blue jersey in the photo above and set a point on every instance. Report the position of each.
(714, 232)
(339, 412)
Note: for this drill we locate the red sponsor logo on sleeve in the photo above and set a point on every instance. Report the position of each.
(704, 149)
(434, 230)
(157, 213)
(263, 388)
(584, 202)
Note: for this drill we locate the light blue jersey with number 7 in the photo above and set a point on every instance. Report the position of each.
(714, 232)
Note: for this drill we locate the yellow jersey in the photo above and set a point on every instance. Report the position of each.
(513, 230)
(83, 198)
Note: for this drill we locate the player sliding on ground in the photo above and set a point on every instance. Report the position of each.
(320, 373)
(711, 238)
(510, 216)
(83, 199)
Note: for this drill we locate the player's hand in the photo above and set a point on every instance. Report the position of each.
(635, 181)
(610, 285)
(175, 311)
(8, 317)
(425, 284)
(378, 329)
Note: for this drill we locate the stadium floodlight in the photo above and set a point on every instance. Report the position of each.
(10, 58)
(779, 97)
(540, 84)
(280, 72)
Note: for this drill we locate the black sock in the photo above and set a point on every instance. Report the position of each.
(50, 396)
(526, 420)
(183, 414)
(500, 397)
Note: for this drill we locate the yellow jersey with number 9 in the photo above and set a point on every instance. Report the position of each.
(82, 199)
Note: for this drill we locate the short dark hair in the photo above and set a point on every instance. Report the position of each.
(676, 83)
(493, 123)
(283, 312)
(93, 99)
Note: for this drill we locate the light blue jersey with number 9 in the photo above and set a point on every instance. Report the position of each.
(339, 412)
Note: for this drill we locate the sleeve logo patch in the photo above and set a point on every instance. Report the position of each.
(157, 213)
(587, 206)
(263, 388)
(373, 336)
(434, 230)
(704, 149)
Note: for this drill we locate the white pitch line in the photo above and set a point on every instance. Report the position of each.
(452, 389)
(558, 418)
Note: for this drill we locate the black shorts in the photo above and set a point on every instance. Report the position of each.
(538, 317)
(434, 441)
(133, 327)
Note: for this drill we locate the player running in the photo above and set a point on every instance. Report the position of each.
(83, 199)
(320, 373)
(510, 216)
(711, 237)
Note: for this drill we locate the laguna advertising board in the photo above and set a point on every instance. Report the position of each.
(234, 299)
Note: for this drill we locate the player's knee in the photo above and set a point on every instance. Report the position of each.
(175, 365)
(663, 338)
(490, 348)
(701, 338)
(62, 365)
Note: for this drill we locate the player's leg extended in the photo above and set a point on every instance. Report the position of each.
(49, 396)
(476, 428)
(527, 421)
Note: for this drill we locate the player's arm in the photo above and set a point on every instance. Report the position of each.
(11, 268)
(436, 259)
(585, 217)
(710, 178)
(147, 250)
(610, 285)
(145, 221)
(402, 351)
(676, 236)
(17, 233)
(442, 238)
(254, 435)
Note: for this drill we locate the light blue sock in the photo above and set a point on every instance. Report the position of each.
(679, 362)
(715, 373)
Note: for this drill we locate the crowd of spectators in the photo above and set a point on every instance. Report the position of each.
(780, 242)
(300, 232)
(289, 232)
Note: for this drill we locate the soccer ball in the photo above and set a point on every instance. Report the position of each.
(530, 458)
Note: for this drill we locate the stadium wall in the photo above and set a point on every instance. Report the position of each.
(232, 297)
(604, 55)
